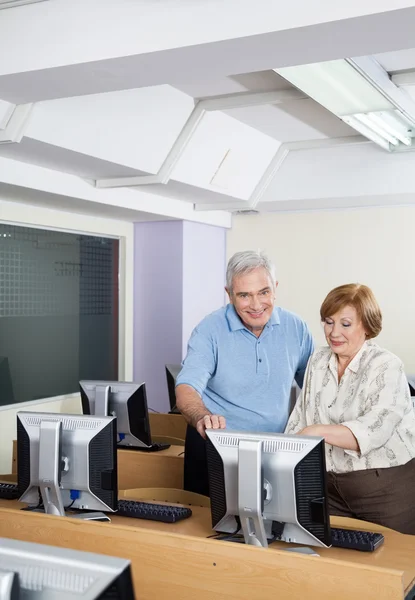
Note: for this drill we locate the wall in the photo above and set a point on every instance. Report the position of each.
(203, 274)
(316, 251)
(158, 298)
(178, 279)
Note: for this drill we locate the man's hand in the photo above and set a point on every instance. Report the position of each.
(210, 422)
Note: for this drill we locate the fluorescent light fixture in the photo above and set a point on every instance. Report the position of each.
(359, 92)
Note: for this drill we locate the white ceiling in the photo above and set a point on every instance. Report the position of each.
(402, 60)
(112, 101)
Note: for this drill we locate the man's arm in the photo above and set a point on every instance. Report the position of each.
(195, 412)
(198, 367)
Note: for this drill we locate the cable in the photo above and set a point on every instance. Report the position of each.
(228, 536)
(154, 411)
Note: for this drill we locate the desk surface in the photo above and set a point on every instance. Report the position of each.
(393, 564)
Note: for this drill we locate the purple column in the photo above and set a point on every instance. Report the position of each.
(204, 266)
(179, 272)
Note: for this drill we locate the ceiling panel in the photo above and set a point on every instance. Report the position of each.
(403, 60)
(293, 121)
(262, 81)
(67, 161)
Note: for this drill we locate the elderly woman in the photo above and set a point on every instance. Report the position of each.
(356, 397)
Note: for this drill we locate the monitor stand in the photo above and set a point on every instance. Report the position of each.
(50, 456)
(50, 464)
(9, 586)
(255, 529)
(101, 400)
(250, 490)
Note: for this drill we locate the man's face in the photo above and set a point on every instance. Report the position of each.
(253, 296)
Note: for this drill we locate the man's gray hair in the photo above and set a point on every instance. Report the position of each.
(246, 261)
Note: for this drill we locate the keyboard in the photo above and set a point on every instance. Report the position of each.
(9, 491)
(165, 513)
(366, 541)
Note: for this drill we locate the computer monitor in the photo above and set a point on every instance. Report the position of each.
(272, 486)
(128, 402)
(70, 459)
(171, 374)
(39, 572)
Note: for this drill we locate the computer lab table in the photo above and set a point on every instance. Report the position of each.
(179, 562)
(138, 469)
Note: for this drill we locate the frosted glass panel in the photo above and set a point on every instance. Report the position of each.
(58, 312)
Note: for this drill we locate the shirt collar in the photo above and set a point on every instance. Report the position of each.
(235, 322)
(353, 365)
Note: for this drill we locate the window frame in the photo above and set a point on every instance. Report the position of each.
(12, 213)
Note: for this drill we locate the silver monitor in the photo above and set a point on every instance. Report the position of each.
(128, 402)
(9, 585)
(39, 572)
(272, 486)
(70, 459)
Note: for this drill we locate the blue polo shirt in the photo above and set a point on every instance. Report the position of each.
(245, 378)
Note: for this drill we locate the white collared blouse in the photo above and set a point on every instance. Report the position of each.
(372, 400)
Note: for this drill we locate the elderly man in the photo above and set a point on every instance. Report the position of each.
(240, 364)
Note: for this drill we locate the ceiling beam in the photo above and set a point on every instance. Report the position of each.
(203, 105)
(155, 47)
(17, 122)
(405, 79)
(249, 99)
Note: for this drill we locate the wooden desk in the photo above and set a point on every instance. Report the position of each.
(168, 426)
(143, 469)
(151, 469)
(178, 561)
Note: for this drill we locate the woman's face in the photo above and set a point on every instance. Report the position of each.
(344, 332)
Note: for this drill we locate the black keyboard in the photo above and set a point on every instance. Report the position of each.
(366, 541)
(165, 513)
(9, 491)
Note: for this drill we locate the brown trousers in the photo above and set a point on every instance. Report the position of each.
(382, 496)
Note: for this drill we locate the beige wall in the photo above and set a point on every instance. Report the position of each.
(316, 251)
(70, 404)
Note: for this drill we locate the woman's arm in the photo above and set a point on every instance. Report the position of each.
(387, 401)
(336, 435)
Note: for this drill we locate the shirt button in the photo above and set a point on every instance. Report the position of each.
(260, 360)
